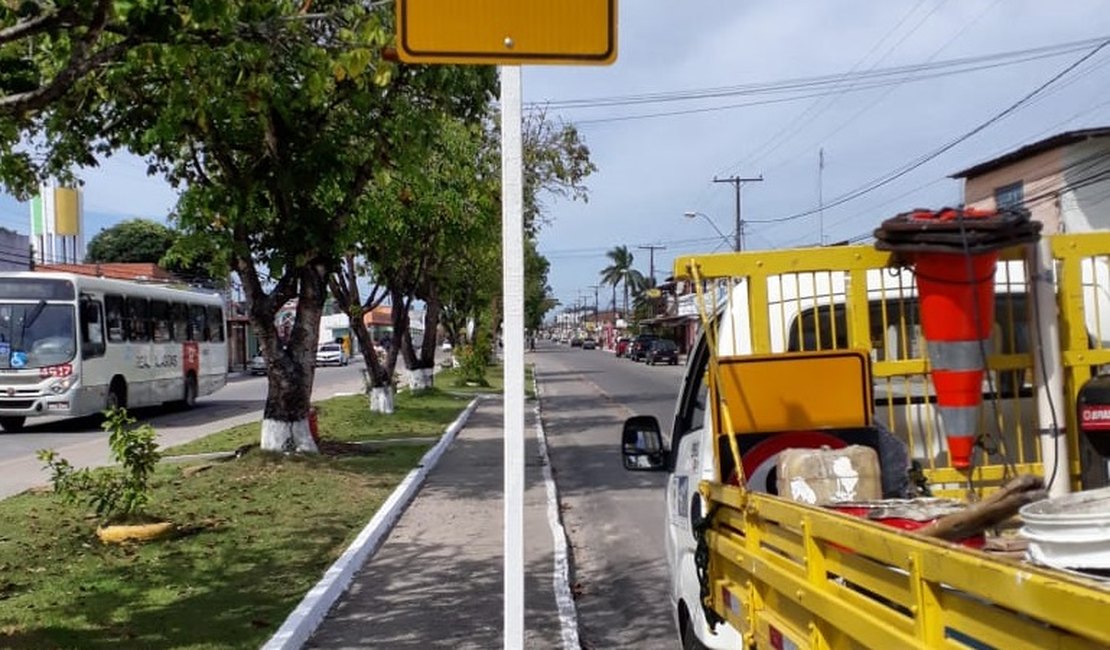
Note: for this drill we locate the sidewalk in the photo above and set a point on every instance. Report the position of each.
(436, 581)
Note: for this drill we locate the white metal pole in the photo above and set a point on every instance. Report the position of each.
(512, 266)
(1049, 379)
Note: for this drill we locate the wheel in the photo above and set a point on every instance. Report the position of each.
(190, 398)
(117, 396)
(12, 423)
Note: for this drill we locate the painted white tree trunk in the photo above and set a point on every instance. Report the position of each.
(421, 378)
(381, 399)
(287, 436)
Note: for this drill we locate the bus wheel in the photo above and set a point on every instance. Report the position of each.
(117, 395)
(12, 423)
(190, 399)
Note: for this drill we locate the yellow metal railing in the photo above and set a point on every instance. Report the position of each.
(825, 580)
(789, 575)
(859, 298)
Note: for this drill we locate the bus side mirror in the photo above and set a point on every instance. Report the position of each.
(642, 444)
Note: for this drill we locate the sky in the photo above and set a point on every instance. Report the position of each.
(653, 170)
(871, 113)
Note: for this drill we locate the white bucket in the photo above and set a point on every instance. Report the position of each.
(1072, 531)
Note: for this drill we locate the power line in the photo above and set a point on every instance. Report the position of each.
(834, 81)
(921, 160)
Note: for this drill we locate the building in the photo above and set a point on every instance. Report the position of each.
(57, 225)
(1064, 181)
(15, 251)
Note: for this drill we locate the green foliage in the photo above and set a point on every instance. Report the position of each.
(473, 359)
(620, 271)
(134, 240)
(115, 494)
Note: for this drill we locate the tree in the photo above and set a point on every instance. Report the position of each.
(134, 240)
(226, 120)
(620, 271)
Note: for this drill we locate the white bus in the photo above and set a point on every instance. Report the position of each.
(73, 345)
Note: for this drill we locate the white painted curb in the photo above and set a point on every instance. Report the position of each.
(312, 609)
(564, 597)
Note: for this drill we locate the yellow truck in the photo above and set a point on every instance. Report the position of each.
(823, 349)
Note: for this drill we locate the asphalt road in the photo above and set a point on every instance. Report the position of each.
(614, 518)
(81, 441)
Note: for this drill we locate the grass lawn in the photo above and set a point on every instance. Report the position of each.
(449, 380)
(259, 531)
(348, 419)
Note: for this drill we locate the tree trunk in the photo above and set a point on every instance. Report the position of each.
(344, 286)
(422, 368)
(292, 370)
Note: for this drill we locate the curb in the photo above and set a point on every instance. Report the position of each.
(561, 569)
(312, 609)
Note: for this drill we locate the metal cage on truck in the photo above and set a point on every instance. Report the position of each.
(788, 575)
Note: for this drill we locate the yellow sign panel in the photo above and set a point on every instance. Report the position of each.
(507, 32)
(795, 392)
(66, 212)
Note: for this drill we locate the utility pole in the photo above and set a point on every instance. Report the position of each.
(736, 182)
(651, 248)
(595, 287)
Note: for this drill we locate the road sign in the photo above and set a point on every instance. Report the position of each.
(507, 32)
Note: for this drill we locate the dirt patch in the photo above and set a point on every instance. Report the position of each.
(337, 448)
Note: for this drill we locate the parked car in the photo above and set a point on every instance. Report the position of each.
(621, 348)
(638, 347)
(589, 344)
(331, 354)
(257, 365)
(661, 351)
(576, 342)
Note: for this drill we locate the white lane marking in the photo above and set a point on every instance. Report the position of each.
(564, 599)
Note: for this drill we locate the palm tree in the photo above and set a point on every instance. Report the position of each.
(619, 271)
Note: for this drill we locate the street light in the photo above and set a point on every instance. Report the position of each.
(690, 214)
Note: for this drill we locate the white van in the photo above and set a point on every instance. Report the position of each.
(808, 312)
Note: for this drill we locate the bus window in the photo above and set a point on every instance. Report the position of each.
(92, 329)
(216, 324)
(117, 325)
(160, 321)
(197, 322)
(138, 311)
(179, 317)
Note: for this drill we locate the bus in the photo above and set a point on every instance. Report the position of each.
(74, 345)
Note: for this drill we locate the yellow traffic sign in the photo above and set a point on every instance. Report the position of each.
(507, 32)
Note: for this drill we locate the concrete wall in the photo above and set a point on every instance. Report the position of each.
(15, 251)
(1040, 174)
(1086, 205)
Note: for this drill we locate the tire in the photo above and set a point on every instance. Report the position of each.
(12, 423)
(190, 398)
(690, 641)
(117, 395)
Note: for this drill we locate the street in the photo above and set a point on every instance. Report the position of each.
(614, 518)
(83, 443)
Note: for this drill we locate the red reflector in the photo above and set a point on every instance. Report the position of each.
(776, 637)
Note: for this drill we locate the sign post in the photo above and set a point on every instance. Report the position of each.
(510, 33)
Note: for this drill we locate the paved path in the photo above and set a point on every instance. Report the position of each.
(436, 582)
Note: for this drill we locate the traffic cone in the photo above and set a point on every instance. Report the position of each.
(957, 314)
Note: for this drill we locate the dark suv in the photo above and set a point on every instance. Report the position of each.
(662, 351)
(637, 349)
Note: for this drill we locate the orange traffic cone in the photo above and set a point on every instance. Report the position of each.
(957, 312)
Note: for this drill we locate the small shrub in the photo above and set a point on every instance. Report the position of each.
(115, 493)
(472, 365)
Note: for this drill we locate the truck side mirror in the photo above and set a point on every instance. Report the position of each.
(642, 444)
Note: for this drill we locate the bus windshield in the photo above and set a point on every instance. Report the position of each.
(36, 335)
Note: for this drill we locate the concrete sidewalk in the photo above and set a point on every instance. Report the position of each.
(437, 580)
